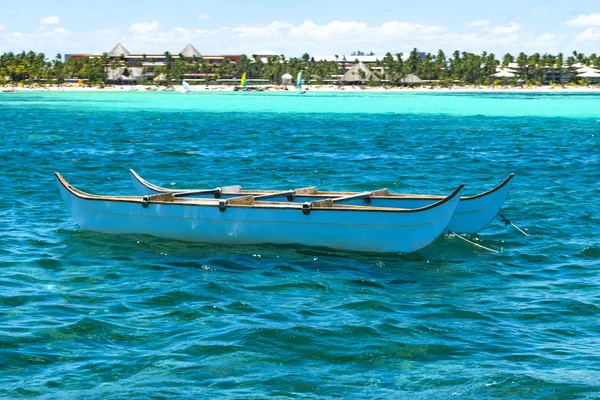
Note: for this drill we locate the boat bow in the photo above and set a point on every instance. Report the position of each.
(476, 212)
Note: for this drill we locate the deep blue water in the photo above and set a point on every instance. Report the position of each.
(87, 315)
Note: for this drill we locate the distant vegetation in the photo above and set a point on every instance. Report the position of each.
(458, 68)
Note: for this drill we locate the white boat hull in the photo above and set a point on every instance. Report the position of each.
(200, 220)
(472, 214)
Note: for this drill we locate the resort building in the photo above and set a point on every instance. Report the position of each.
(551, 73)
(189, 52)
(359, 73)
(555, 74)
(346, 63)
(264, 55)
(125, 67)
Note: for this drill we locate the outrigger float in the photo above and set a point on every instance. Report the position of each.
(472, 214)
(340, 221)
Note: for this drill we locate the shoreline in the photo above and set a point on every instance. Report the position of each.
(312, 88)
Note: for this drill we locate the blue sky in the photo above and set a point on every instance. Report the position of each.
(317, 27)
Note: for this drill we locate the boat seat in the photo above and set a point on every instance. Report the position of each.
(169, 197)
(241, 200)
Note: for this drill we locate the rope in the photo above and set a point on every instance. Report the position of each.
(473, 243)
(507, 222)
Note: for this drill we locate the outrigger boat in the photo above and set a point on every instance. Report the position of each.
(250, 219)
(472, 214)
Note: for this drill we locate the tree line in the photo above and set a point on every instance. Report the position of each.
(459, 67)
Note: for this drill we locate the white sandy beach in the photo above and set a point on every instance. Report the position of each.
(311, 88)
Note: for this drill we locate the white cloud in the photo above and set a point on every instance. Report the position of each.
(144, 28)
(585, 20)
(57, 31)
(399, 29)
(272, 31)
(45, 42)
(52, 20)
(2, 27)
(311, 31)
(335, 37)
(513, 27)
(203, 17)
(20, 39)
(546, 38)
(547, 43)
(480, 22)
(589, 34)
(487, 26)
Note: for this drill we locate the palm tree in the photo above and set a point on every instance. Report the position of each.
(522, 62)
(507, 59)
(57, 69)
(560, 62)
(441, 64)
(426, 67)
(533, 64)
(388, 67)
(168, 66)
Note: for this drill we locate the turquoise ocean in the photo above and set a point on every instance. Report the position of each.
(89, 315)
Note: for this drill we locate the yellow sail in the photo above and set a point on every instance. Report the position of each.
(243, 82)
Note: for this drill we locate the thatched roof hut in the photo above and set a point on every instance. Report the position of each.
(411, 79)
(354, 74)
(118, 51)
(190, 52)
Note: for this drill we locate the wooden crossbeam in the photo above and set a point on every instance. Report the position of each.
(157, 197)
(363, 195)
(241, 200)
(289, 193)
(231, 189)
(306, 190)
(161, 197)
(218, 191)
(306, 207)
(321, 203)
(380, 192)
(309, 205)
(246, 200)
(197, 192)
(277, 194)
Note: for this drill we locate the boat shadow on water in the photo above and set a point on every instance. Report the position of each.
(154, 253)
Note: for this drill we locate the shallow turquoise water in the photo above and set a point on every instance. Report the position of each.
(87, 315)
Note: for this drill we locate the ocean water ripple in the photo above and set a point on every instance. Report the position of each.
(88, 315)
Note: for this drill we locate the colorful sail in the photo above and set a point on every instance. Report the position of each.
(244, 81)
(299, 80)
